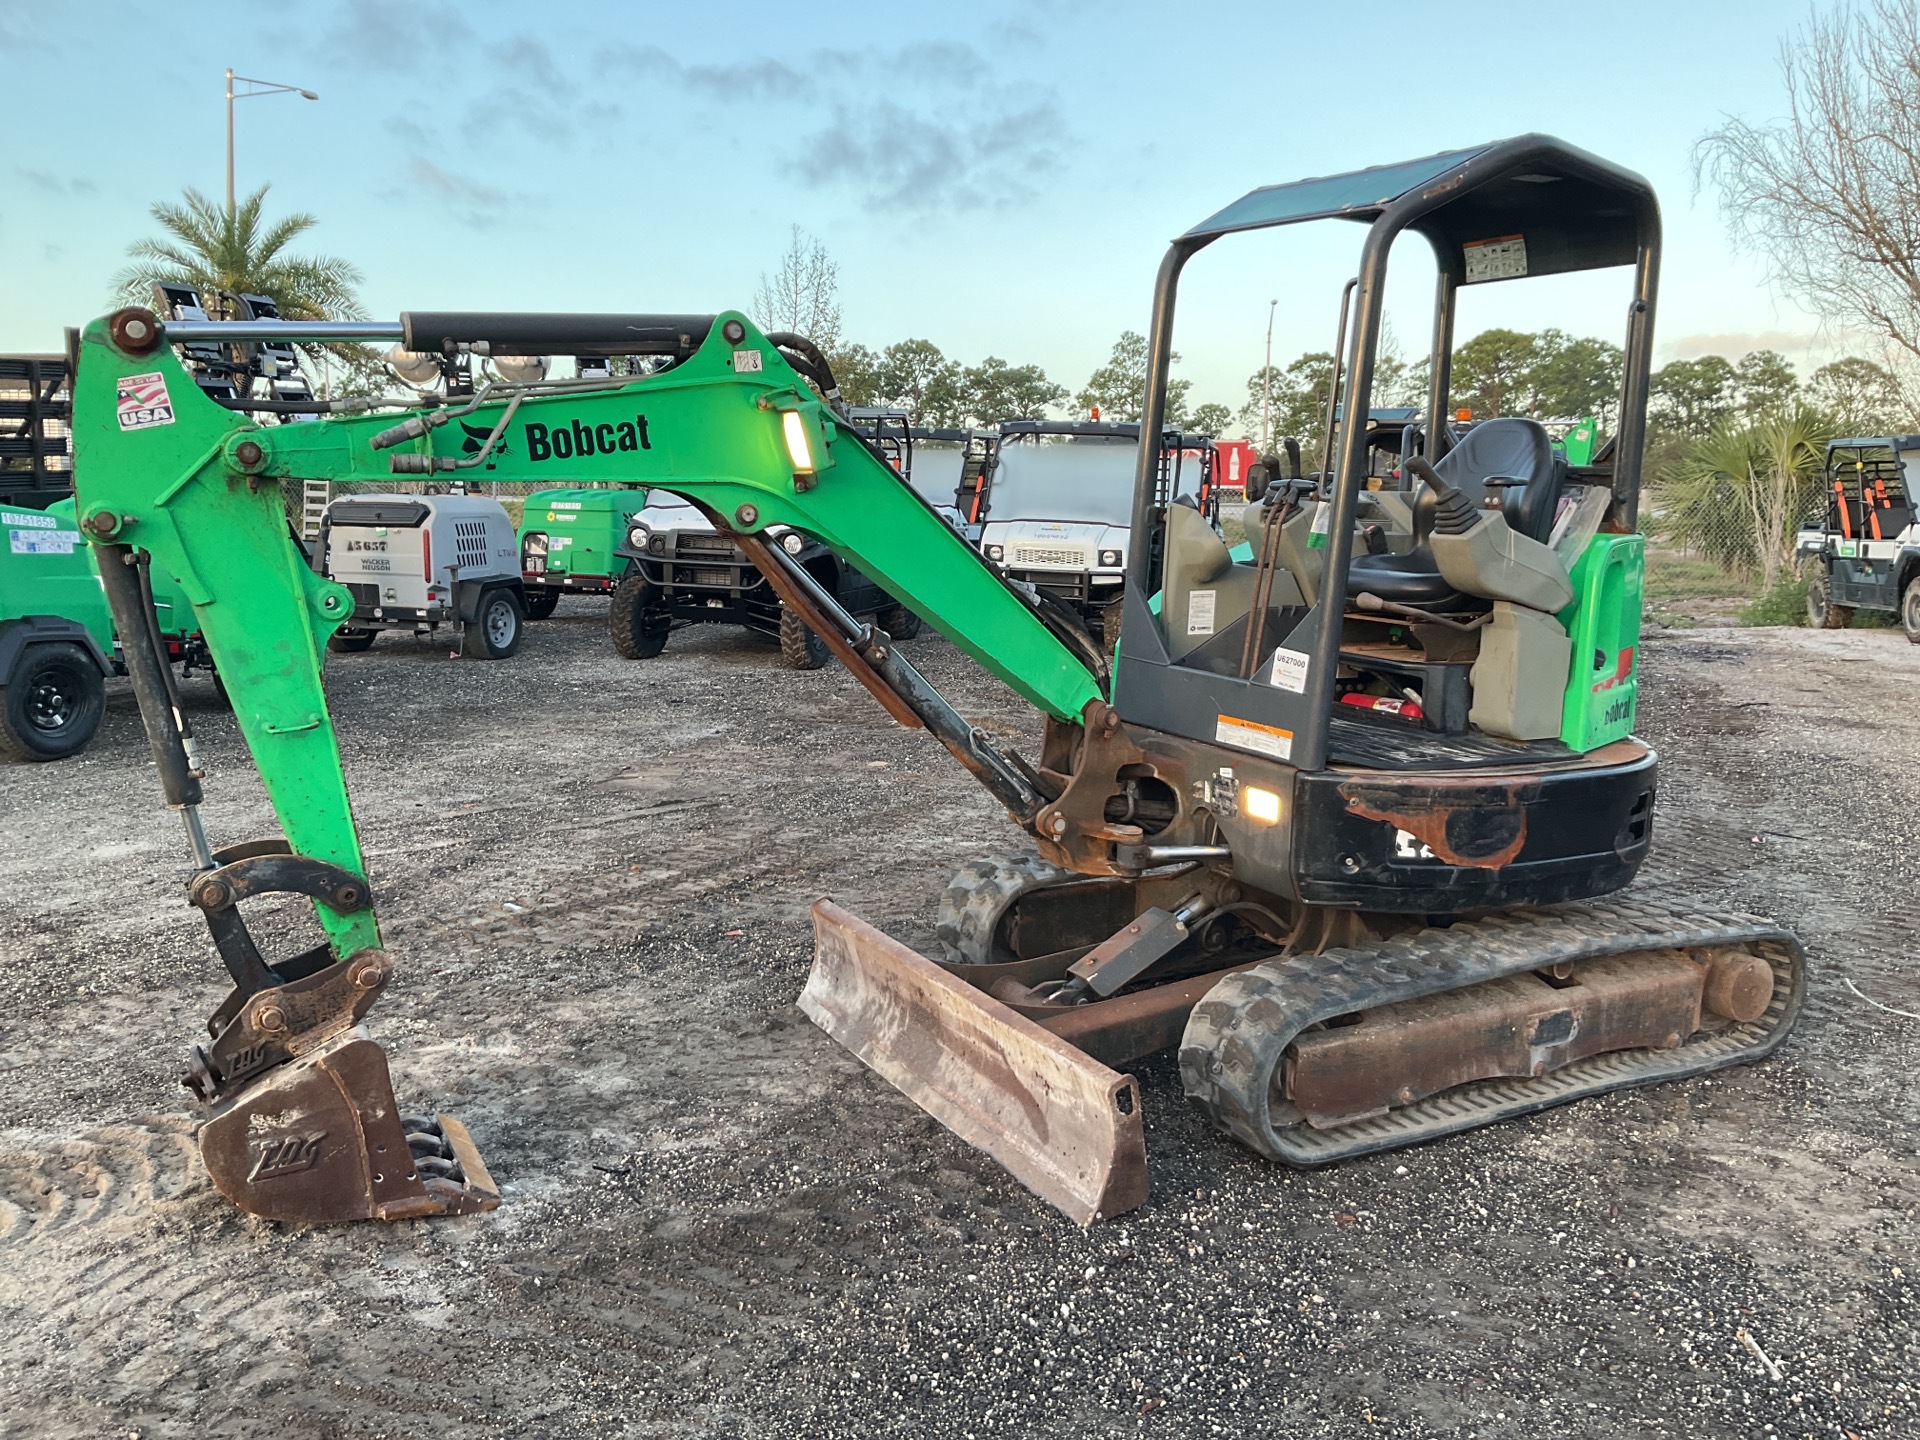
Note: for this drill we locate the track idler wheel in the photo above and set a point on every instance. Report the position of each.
(320, 1140)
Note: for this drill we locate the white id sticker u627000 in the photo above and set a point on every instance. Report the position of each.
(1290, 669)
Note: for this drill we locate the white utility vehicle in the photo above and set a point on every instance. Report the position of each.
(1056, 506)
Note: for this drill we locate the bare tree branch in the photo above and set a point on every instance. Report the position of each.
(1827, 195)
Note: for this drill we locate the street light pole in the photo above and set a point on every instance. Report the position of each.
(1266, 372)
(261, 87)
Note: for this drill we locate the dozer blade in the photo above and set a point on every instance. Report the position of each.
(1066, 1126)
(320, 1140)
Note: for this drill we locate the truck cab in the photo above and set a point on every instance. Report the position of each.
(943, 465)
(1056, 504)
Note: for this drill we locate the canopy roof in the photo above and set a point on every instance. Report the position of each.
(1568, 210)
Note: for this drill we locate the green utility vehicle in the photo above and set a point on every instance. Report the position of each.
(56, 635)
(569, 543)
(1863, 553)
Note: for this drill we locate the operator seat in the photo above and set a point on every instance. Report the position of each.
(1512, 448)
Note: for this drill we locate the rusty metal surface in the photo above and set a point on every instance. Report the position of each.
(1066, 1126)
(1518, 1025)
(754, 547)
(319, 1141)
(1469, 821)
(1739, 984)
(279, 1024)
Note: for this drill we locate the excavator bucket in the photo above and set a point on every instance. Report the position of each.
(320, 1140)
(1065, 1125)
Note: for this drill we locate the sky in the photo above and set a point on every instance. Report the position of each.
(999, 178)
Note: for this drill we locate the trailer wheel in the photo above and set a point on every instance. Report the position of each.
(900, 622)
(1822, 613)
(52, 703)
(800, 648)
(636, 621)
(494, 633)
(347, 641)
(542, 602)
(1910, 610)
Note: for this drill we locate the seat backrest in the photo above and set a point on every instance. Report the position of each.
(1515, 447)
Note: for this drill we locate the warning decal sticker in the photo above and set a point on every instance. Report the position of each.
(746, 362)
(1200, 612)
(143, 401)
(1261, 739)
(43, 542)
(1502, 259)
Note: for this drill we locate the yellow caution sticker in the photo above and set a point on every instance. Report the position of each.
(1249, 735)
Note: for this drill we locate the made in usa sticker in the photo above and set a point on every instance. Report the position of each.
(143, 402)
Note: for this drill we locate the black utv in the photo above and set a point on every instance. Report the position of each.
(684, 572)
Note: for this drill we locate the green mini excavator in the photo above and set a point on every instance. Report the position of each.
(1332, 818)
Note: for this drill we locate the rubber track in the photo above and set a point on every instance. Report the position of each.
(971, 908)
(1236, 1037)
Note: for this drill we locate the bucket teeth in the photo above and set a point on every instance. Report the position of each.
(320, 1140)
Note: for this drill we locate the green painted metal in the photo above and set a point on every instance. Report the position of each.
(584, 527)
(221, 536)
(47, 568)
(712, 429)
(1603, 622)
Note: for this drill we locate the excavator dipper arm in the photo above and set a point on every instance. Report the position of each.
(301, 1121)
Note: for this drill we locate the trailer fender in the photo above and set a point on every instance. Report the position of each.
(17, 635)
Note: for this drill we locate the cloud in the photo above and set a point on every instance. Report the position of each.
(896, 158)
(382, 35)
(1796, 345)
(61, 185)
(471, 202)
(958, 144)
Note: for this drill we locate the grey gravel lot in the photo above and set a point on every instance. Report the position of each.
(594, 878)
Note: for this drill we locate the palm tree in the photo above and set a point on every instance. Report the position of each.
(1738, 494)
(218, 252)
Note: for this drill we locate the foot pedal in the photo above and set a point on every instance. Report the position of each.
(320, 1140)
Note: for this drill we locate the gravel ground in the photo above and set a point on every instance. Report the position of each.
(594, 876)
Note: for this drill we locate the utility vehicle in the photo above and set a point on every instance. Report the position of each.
(1863, 553)
(1055, 505)
(684, 570)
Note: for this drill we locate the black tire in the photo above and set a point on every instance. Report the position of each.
(495, 630)
(636, 621)
(1822, 613)
(52, 703)
(347, 641)
(899, 622)
(220, 689)
(1910, 609)
(542, 602)
(1106, 632)
(800, 648)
